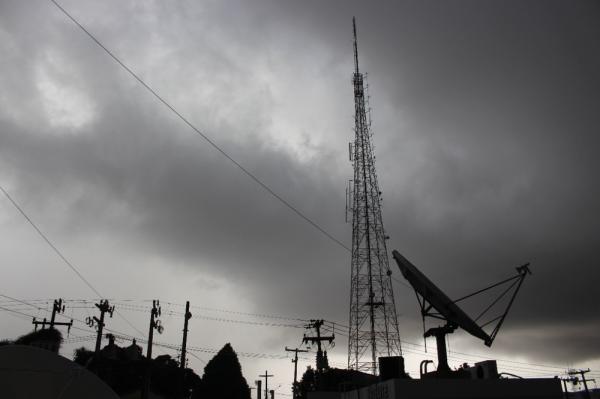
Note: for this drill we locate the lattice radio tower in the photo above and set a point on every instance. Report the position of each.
(373, 321)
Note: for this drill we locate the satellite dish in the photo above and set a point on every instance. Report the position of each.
(438, 300)
(431, 297)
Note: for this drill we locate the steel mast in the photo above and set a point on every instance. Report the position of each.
(373, 320)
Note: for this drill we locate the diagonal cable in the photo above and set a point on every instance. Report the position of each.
(45, 238)
(60, 254)
(199, 132)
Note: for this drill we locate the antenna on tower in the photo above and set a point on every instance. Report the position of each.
(355, 46)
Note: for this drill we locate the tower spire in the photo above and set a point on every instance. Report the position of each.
(373, 320)
(355, 46)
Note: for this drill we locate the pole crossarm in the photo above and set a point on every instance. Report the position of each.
(266, 375)
(322, 362)
(57, 307)
(581, 372)
(295, 390)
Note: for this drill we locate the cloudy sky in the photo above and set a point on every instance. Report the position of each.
(485, 118)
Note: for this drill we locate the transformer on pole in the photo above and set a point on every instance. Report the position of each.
(373, 320)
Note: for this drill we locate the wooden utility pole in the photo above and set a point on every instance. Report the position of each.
(104, 307)
(582, 373)
(57, 307)
(258, 388)
(184, 393)
(266, 375)
(154, 324)
(187, 316)
(295, 361)
(317, 324)
(564, 381)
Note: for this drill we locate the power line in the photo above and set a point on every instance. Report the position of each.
(120, 335)
(45, 238)
(48, 311)
(130, 304)
(59, 253)
(254, 355)
(263, 315)
(220, 319)
(510, 364)
(45, 310)
(204, 136)
(209, 141)
(198, 357)
(87, 329)
(15, 311)
(344, 328)
(257, 315)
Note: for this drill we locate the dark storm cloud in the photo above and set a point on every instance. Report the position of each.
(485, 117)
(152, 182)
(582, 339)
(492, 160)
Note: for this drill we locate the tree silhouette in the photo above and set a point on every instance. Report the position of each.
(82, 356)
(46, 338)
(333, 380)
(223, 377)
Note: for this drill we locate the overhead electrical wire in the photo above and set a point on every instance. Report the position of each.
(263, 315)
(59, 253)
(326, 328)
(520, 367)
(251, 175)
(452, 353)
(50, 243)
(121, 335)
(210, 142)
(86, 329)
(193, 127)
(48, 311)
(220, 319)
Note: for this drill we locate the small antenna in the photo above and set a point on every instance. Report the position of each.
(355, 46)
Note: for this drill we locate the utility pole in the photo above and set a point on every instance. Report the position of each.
(322, 362)
(258, 388)
(104, 307)
(582, 373)
(572, 380)
(57, 307)
(187, 316)
(154, 324)
(295, 361)
(182, 362)
(266, 375)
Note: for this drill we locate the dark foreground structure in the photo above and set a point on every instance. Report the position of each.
(548, 388)
(480, 381)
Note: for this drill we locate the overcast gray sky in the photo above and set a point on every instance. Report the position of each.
(485, 119)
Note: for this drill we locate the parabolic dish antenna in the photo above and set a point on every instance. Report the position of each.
(435, 303)
(438, 300)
